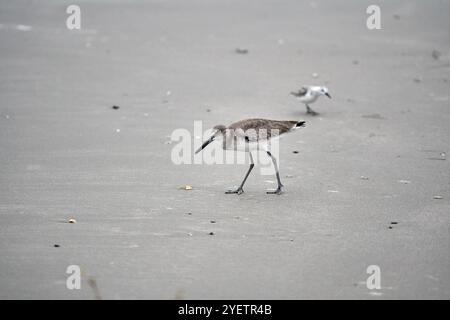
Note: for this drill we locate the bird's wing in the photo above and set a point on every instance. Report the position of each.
(301, 92)
(253, 130)
(247, 129)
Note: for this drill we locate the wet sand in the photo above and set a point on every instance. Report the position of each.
(360, 191)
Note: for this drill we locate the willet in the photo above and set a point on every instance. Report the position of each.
(309, 94)
(252, 135)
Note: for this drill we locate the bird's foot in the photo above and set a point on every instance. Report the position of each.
(278, 191)
(312, 112)
(237, 191)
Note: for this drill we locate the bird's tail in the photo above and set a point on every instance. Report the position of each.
(300, 124)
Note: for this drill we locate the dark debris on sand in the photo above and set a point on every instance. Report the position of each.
(241, 51)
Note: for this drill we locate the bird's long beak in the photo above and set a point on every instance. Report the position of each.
(294, 94)
(328, 95)
(205, 144)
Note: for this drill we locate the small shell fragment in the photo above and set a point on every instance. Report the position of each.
(72, 221)
(186, 187)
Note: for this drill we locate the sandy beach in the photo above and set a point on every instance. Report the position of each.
(367, 181)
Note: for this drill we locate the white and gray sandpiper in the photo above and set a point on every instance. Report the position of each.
(309, 94)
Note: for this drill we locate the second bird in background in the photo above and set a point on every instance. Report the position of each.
(309, 94)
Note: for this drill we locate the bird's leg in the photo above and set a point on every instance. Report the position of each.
(279, 190)
(310, 111)
(240, 189)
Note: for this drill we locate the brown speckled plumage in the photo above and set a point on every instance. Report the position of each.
(252, 133)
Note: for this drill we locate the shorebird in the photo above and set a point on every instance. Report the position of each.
(309, 94)
(252, 135)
